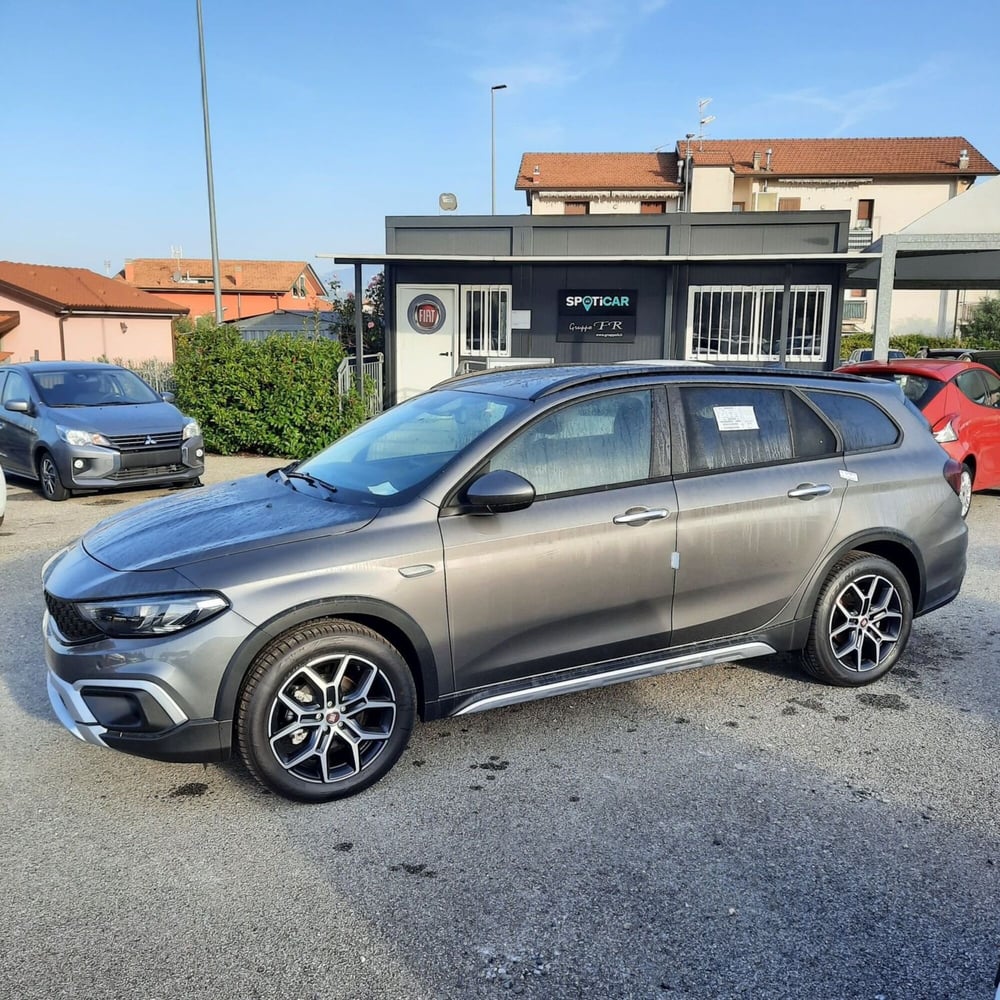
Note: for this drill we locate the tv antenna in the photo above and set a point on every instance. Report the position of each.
(703, 120)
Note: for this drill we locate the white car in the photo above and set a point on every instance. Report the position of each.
(3, 496)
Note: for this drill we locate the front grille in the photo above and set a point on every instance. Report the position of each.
(73, 627)
(158, 471)
(146, 441)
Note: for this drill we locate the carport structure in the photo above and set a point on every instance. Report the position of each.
(954, 246)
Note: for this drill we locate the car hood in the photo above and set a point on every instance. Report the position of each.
(119, 419)
(218, 521)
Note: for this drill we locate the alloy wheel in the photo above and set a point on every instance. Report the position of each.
(866, 623)
(331, 718)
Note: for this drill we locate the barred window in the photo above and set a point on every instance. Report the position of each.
(485, 320)
(743, 322)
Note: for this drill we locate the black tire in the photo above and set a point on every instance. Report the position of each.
(51, 481)
(965, 489)
(861, 622)
(325, 712)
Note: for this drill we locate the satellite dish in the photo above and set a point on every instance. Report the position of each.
(447, 202)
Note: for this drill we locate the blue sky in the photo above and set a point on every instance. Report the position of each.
(328, 116)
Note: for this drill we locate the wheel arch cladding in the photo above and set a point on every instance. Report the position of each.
(395, 626)
(894, 550)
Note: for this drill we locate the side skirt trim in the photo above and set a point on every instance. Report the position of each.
(727, 654)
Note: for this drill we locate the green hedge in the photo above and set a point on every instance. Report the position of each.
(908, 344)
(277, 396)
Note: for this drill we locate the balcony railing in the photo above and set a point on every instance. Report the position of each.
(860, 237)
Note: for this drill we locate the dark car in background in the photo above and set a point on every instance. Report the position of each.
(90, 426)
(506, 536)
(961, 401)
(982, 356)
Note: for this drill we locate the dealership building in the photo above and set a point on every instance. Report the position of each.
(485, 291)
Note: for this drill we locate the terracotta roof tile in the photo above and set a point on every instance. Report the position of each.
(887, 157)
(268, 276)
(78, 288)
(843, 157)
(620, 171)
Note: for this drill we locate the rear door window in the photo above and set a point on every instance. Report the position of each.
(983, 388)
(731, 427)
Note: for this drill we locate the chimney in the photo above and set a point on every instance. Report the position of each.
(963, 160)
(535, 173)
(767, 165)
(238, 275)
(756, 161)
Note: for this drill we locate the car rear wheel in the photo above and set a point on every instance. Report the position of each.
(965, 489)
(51, 481)
(326, 711)
(861, 623)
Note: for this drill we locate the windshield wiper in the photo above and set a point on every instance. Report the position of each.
(311, 480)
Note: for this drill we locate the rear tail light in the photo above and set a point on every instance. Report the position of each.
(944, 430)
(953, 473)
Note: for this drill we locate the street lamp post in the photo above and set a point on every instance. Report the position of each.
(493, 146)
(216, 278)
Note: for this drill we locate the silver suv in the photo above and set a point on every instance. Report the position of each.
(507, 536)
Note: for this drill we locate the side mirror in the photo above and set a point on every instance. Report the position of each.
(499, 492)
(19, 406)
(167, 397)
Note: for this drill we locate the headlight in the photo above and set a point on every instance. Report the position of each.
(163, 614)
(191, 430)
(72, 436)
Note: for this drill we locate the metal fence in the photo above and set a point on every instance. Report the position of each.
(159, 374)
(373, 366)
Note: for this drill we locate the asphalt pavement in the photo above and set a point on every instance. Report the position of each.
(732, 832)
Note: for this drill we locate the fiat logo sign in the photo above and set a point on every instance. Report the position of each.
(426, 314)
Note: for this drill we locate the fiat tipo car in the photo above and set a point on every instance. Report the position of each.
(506, 536)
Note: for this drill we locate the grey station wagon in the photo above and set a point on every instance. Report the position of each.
(77, 425)
(506, 536)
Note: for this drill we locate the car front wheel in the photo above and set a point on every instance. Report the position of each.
(48, 476)
(861, 623)
(326, 711)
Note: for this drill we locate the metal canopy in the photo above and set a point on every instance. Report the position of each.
(954, 246)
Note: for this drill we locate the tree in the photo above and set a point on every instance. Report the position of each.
(983, 328)
(373, 306)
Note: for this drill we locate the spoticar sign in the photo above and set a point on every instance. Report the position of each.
(596, 315)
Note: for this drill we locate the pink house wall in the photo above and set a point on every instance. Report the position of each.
(85, 337)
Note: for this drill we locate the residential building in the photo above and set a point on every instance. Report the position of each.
(884, 183)
(70, 313)
(248, 287)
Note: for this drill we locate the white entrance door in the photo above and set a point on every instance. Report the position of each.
(426, 337)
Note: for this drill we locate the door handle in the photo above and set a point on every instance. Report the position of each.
(640, 515)
(806, 491)
(445, 354)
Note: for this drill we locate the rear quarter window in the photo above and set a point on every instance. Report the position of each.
(863, 426)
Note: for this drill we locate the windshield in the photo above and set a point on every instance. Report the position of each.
(404, 447)
(92, 387)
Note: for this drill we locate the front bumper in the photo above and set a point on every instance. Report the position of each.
(88, 467)
(183, 741)
(154, 697)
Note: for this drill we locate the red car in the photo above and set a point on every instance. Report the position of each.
(961, 401)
